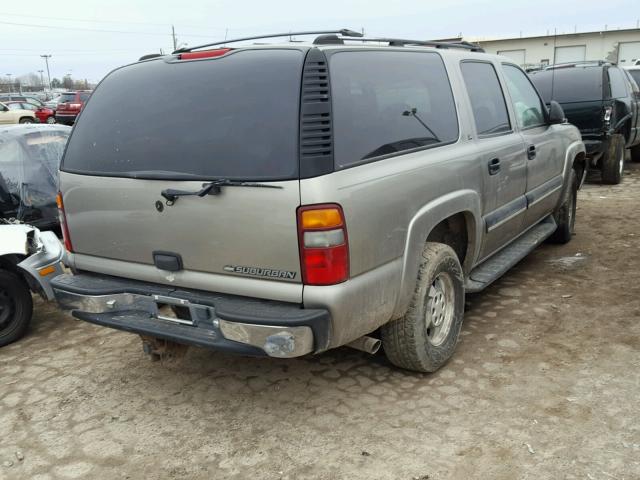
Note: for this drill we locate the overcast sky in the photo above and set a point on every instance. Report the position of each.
(88, 38)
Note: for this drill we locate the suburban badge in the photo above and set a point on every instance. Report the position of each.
(260, 272)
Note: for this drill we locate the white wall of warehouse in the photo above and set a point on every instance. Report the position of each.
(605, 45)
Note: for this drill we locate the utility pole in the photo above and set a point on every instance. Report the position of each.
(46, 60)
(10, 88)
(41, 79)
(175, 40)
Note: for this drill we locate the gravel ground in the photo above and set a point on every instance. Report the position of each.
(545, 384)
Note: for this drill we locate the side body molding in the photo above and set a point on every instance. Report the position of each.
(421, 225)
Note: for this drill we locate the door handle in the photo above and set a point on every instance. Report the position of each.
(531, 152)
(494, 166)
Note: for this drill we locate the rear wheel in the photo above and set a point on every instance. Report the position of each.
(26, 120)
(426, 336)
(613, 161)
(15, 307)
(51, 119)
(635, 153)
(565, 216)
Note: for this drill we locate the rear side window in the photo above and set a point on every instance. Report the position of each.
(487, 100)
(234, 117)
(84, 96)
(389, 102)
(566, 85)
(618, 83)
(635, 74)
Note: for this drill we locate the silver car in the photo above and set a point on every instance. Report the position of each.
(298, 197)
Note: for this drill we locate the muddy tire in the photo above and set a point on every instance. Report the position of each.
(565, 216)
(635, 153)
(15, 307)
(426, 336)
(613, 161)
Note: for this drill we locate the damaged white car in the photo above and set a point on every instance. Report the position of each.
(28, 260)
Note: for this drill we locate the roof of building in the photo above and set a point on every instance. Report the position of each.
(551, 35)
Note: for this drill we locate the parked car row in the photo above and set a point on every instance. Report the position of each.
(64, 109)
(344, 196)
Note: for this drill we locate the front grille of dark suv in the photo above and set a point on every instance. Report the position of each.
(316, 138)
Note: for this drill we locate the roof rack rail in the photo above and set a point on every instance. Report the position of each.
(598, 63)
(344, 32)
(401, 42)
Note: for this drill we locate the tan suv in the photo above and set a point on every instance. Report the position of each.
(305, 196)
(8, 116)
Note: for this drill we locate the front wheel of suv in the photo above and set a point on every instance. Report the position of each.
(613, 161)
(426, 336)
(565, 216)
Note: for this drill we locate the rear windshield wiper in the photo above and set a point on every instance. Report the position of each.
(210, 188)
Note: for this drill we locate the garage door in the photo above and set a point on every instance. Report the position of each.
(516, 56)
(575, 53)
(628, 53)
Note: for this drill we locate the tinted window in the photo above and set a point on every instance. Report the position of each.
(575, 84)
(67, 97)
(388, 102)
(618, 83)
(235, 117)
(636, 76)
(526, 102)
(84, 96)
(487, 99)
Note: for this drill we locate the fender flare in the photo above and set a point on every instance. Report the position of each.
(423, 222)
(573, 150)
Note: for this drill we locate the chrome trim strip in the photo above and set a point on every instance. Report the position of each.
(545, 195)
(506, 219)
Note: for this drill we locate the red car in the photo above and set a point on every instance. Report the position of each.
(69, 106)
(43, 114)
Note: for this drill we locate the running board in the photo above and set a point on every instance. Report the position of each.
(497, 265)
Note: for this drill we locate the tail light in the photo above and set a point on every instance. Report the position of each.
(63, 223)
(75, 105)
(607, 116)
(324, 246)
(204, 54)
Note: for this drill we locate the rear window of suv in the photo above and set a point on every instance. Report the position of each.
(574, 84)
(232, 117)
(67, 98)
(389, 102)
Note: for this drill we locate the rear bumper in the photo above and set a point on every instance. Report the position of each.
(229, 323)
(66, 119)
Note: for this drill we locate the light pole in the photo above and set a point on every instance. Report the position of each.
(46, 60)
(10, 89)
(41, 79)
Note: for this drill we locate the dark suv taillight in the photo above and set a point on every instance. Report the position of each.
(324, 246)
(63, 223)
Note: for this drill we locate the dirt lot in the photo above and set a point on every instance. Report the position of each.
(545, 384)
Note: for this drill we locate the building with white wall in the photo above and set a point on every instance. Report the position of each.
(618, 46)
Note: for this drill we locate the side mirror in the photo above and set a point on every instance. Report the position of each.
(556, 113)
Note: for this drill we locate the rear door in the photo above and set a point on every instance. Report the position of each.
(501, 152)
(178, 124)
(543, 144)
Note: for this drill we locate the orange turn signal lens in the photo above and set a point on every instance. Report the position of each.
(59, 200)
(47, 271)
(321, 218)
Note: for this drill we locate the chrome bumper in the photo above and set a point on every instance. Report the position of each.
(279, 341)
(46, 263)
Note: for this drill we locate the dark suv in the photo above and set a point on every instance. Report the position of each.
(600, 100)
